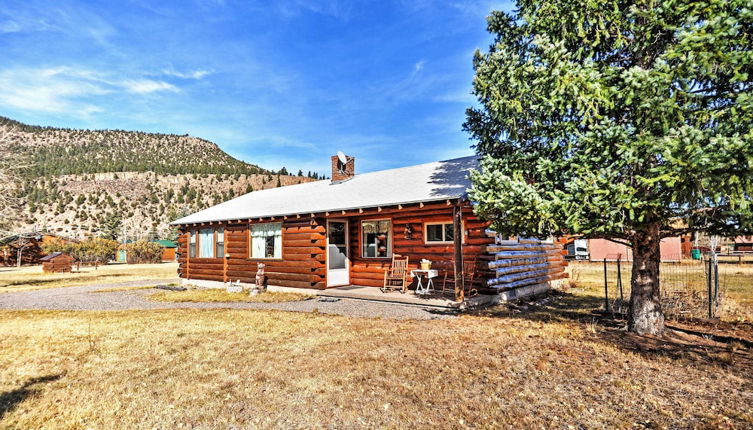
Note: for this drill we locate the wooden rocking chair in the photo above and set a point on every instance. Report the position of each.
(396, 276)
(469, 273)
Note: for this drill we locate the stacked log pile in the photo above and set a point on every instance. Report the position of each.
(524, 262)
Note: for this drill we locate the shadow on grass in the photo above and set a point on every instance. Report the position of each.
(698, 342)
(10, 399)
(555, 307)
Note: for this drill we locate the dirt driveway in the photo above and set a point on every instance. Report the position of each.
(84, 298)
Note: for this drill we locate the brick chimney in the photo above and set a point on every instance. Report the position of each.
(342, 172)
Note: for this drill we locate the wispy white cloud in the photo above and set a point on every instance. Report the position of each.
(193, 74)
(418, 67)
(481, 8)
(463, 96)
(48, 90)
(69, 90)
(14, 20)
(10, 27)
(58, 18)
(145, 86)
(342, 10)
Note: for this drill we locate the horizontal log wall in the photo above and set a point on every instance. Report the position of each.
(302, 264)
(304, 248)
(370, 271)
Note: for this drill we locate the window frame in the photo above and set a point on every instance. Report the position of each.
(250, 255)
(196, 232)
(390, 239)
(444, 232)
(217, 232)
(193, 233)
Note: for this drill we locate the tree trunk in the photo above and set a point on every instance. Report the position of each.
(646, 316)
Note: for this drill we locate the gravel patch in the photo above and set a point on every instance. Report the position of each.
(81, 298)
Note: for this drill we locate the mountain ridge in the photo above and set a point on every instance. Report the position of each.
(103, 182)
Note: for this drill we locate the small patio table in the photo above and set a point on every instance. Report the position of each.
(420, 275)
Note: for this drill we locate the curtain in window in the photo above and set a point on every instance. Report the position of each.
(377, 238)
(206, 243)
(266, 240)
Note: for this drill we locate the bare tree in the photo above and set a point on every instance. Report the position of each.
(24, 241)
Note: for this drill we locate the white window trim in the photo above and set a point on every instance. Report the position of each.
(390, 241)
(442, 242)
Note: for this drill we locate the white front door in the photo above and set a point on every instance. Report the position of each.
(338, 261)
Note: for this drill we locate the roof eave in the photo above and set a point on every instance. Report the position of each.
(412, 202)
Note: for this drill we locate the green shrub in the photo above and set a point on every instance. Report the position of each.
(143, 252)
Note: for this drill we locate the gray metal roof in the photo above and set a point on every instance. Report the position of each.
(439, 180)
(49, 257)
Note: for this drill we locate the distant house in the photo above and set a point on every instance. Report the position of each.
(28, 245)
(743, 244)
(671, 249)
(57, 262)
(169, 248)
(344, 232)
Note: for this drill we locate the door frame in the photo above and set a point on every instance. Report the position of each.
(346, 270)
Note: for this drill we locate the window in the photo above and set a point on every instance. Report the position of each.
(192, 244)
(266, 240)
(206, 243)
(219, 245)
(376, 238)
(439, 232)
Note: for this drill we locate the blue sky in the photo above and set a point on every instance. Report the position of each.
(277, 84)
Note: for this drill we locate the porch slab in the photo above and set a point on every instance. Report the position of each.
(361, 292)
(410, 298)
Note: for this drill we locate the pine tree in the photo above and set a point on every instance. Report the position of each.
(628, 123)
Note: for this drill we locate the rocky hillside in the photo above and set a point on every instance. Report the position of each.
(121, 183)
(56, 151)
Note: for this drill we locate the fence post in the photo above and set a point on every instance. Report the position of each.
(708, 282)
(606, 287)
(619, 279)
(716, 282)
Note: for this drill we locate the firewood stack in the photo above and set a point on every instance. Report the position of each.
(524, 262)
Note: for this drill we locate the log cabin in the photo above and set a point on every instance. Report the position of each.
(57, 262)
(345, 231)
(27, 247)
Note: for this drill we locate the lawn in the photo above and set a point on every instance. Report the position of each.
(32, 277)
(220, 295)
(551, 365)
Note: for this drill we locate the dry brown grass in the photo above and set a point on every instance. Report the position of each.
(259, 369)
(32, 277)
(220, 295)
